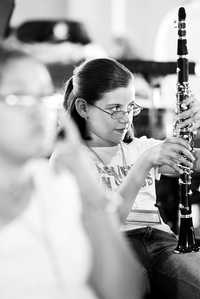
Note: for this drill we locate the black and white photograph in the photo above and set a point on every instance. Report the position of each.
(99, 149)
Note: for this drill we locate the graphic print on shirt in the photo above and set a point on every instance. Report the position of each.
(112, 176)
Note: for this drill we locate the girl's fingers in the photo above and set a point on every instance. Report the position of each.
(187, 154)
(195, 125)
(178, 163)
(192, 123)
(191, 115)
(185, 162)
(179, 154)
(181, 159)
(184, 124)
(177, 143)
(186, 114)
(175, 166)
(190, 101)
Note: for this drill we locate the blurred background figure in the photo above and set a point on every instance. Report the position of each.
(44, 252)
(122, 49)
(55, 41)
(58, 43)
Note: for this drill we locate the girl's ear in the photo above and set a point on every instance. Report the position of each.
(82, 107)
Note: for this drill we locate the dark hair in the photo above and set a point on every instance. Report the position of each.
(90, 81)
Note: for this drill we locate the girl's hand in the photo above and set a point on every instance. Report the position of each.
(191, 116)
(174, 152)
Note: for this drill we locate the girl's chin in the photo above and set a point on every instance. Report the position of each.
(116, 140)
(119, 136)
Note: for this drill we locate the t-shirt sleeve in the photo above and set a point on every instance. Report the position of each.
(140, 145)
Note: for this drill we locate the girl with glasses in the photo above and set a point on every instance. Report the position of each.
(100, 97)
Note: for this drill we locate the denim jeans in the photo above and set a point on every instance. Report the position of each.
(171, 275)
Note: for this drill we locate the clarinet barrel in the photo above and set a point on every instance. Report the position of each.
(186, 238)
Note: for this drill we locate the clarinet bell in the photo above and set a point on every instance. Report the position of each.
(187, 241)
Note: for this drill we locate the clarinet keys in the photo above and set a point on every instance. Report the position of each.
(186, 238)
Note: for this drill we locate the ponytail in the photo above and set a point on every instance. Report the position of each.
(69, 105)
(69, 96)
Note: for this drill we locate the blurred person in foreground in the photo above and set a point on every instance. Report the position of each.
(45, 251)
(37, 214)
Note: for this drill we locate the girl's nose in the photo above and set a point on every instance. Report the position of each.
(125, 118)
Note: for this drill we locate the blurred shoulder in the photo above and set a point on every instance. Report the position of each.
(60, 185)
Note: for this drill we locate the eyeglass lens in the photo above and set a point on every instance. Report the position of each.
(121, 114)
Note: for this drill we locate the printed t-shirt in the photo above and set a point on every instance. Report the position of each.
(143, 212)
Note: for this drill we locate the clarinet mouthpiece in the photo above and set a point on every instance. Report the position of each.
(181, 14)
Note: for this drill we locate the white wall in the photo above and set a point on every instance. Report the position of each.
(96, 16)
(30, 9)
(141, 20)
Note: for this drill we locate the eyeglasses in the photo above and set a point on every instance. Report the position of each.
(135, 109)
(53, 101)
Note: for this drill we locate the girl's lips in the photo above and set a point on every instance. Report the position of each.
(120, 130)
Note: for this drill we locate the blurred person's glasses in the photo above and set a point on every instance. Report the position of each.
(53, 101)
(49, 106)
(134, 108)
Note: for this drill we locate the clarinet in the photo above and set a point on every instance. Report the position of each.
(186, 237)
